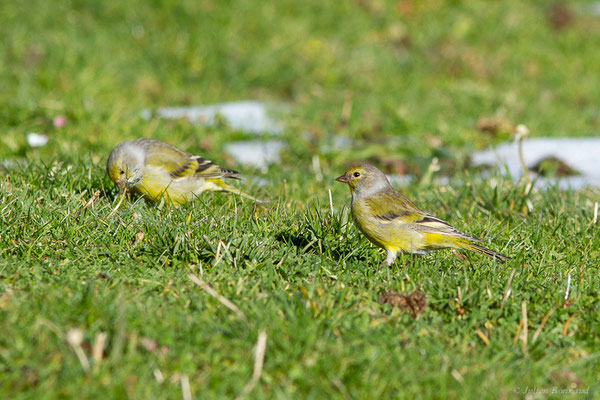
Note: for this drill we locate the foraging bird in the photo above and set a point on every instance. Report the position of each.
(391, 221)
(155, 169)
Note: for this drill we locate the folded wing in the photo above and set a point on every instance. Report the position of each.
(180, 164)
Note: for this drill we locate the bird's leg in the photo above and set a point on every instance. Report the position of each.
(391, 256)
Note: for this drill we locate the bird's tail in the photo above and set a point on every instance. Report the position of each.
(483, 250)
(228, 188)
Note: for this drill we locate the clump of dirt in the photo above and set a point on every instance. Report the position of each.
(559, 16)
(494, 125)
(552, 166)
(414, 302)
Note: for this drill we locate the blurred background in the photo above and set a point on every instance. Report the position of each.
(393, 82)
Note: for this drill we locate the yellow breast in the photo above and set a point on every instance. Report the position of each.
(390, 235)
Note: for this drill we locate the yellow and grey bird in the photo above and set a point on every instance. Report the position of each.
(393, 222)
(157, 169)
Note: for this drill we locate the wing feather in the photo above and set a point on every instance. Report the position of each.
(180, 164)
(432, 224)
(394, 207)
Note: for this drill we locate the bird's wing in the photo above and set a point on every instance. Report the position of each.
(431, 224)
(392, 206)
(180, 164)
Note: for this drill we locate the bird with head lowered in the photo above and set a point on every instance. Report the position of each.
(159, 170)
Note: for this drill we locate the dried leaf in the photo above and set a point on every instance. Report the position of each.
(414, 302)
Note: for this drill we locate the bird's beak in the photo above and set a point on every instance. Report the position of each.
(122, 185)
(342, 178)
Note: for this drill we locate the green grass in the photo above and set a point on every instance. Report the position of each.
(418, 77)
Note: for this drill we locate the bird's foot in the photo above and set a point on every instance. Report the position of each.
(406, 264)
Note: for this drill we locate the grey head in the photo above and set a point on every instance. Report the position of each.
(125, 164)
(364, 180)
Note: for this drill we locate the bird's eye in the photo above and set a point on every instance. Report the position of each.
(356, 174)
(121, 172)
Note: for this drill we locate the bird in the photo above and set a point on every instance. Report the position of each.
(391, 221)
(157, 170)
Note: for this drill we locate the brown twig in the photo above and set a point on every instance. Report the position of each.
(223, 300)
(524, 332)
(483, 337)
(517, 332)
(89, 203)
(259, 359)
(507, 287)
(75, 338)
(98, 348)
(121, 197)
(566, 324)
(544, 319)
(186, 391)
